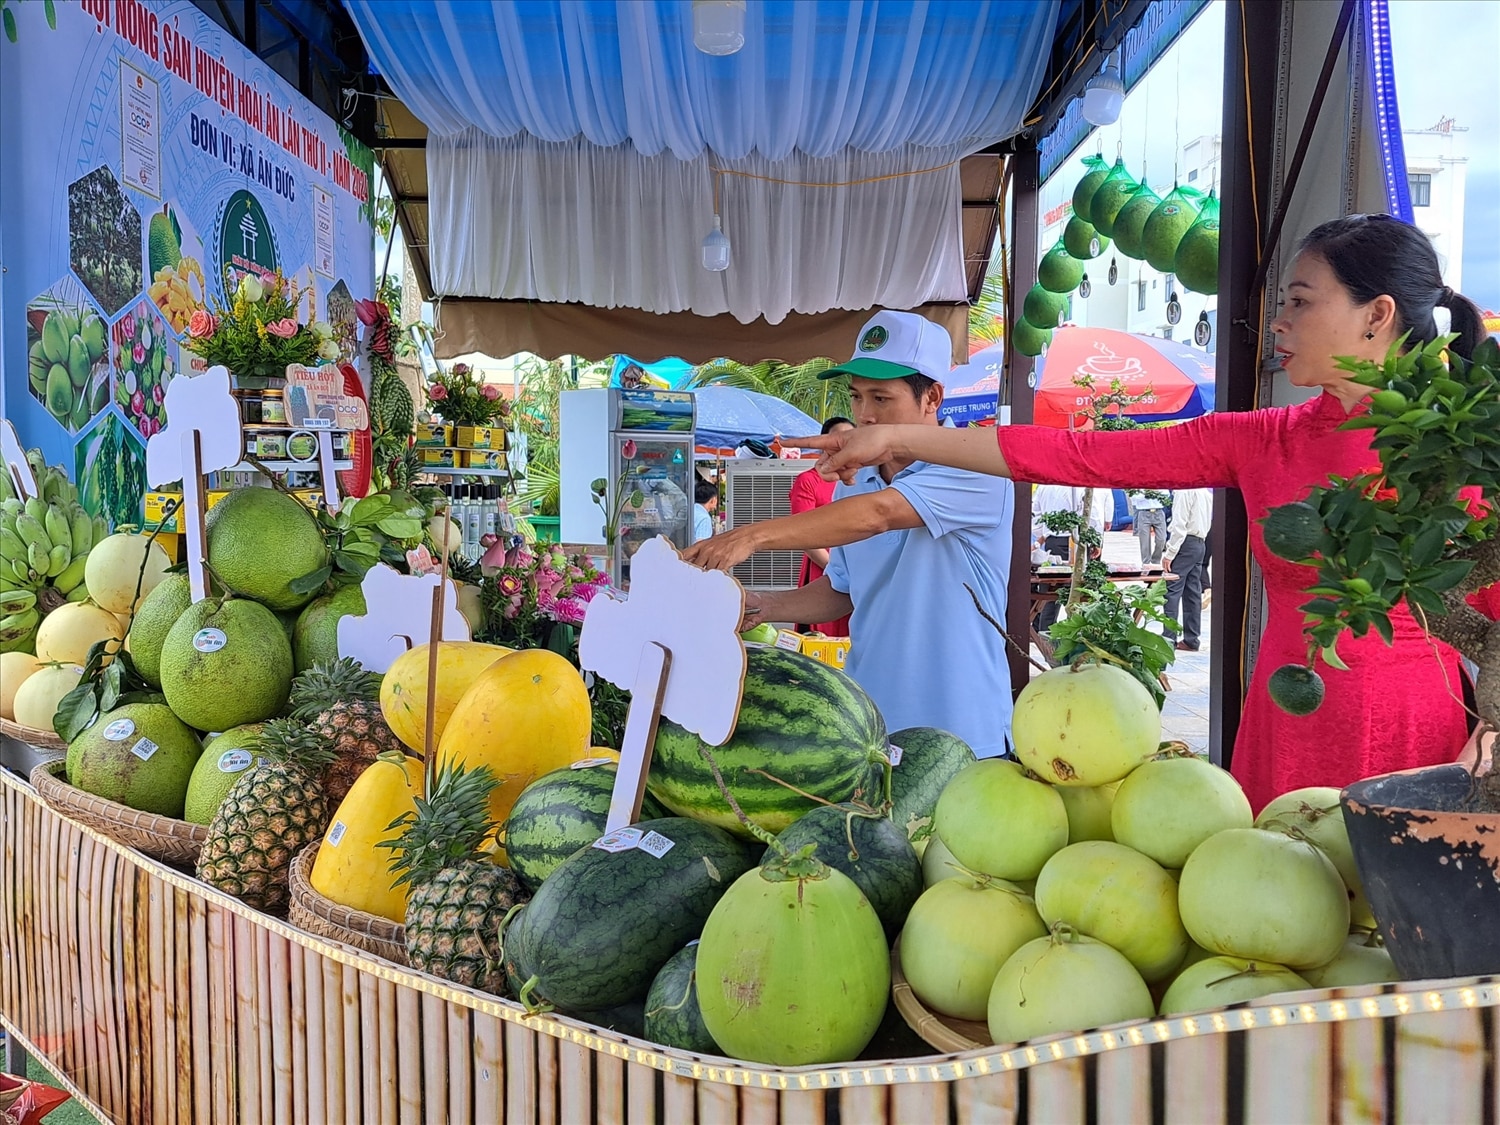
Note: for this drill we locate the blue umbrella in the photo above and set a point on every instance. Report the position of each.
(971, 392)
(729, 415)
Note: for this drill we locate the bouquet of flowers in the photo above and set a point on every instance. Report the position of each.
(257, 333)
(461, 398)
(536, 596)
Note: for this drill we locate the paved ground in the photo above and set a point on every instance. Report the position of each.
(1185, 715)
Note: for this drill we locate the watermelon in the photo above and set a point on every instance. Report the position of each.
(929, 759)
(559, 813)
(672, 1015)
(627, 1019)
(868, 848)
(801, 721)
(604, 923)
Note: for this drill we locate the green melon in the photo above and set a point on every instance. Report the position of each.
(1045, 308)
(605, 922)
(1028, 338)
(559, 813)
(870, 850)
(1112, 195)
(1059, 271)
(1082, 241)
(801, 721)
(929, 759)
(673, 1018)
(1130, 223)
(1083, 193)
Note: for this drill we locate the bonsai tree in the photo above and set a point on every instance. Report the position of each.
(1421, 529)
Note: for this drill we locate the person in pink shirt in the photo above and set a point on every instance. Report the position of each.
(1357, 285)
(809, 491)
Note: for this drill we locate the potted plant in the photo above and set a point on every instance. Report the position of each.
(1423, 528)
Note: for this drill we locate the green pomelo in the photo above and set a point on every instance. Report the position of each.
(245, 679)
(1164, 232)
(1197, 261)
(1043, 307)
(315, 639)
(1064, 982)
(1130, 223)
(1166, 808)
(1317, 814)
(1029, 339)
(992, 793)
(958, 935)
(1088, 811)
(1359, 962)
(1218, 982)
(1085, 725)
(1083, 193)
(1082, 241)
(140, 755)
(225, 759)
(1059, 271)
(158, 612)
(1293, 531)
(1115, 894)
(1296, 689)
(259, 541)
(1112, 195)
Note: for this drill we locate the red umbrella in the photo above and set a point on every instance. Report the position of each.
(1178, 379)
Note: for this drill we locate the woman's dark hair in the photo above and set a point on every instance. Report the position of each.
(1377, 254)
(836, 420)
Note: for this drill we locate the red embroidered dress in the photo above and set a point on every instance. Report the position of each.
(1398, 706)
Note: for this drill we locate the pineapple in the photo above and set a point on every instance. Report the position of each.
(340, 702)
(459, 895)
(269, 815)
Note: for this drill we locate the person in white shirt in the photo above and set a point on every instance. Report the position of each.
(1147, 509)
(1064, 498)
(705, 500)
(1187, 547)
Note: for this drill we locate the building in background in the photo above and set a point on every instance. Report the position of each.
(1437, 163)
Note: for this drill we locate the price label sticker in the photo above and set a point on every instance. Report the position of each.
(336, 833)
(317, 423)
(144, 749)
(656, 844)
(209, 640)
(894, 753)
(119, 730)
(235, 761)
(622, 840)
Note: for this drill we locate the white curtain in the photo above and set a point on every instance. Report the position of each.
(571, 221)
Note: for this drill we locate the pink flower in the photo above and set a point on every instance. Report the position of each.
(138, 353)
(513, 607)
(509, 585)
(367, 311)
(490, 391)
(628, 451)
(585, 591)
(548, 583)
(129, 325)
(437, 392)
(519, 558)
(570, 611)
(487, 540)
(421, 562)
(493, 559)
(202, 323)
(286, 328)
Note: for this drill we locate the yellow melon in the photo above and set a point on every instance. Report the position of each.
(15, 669)
(69, 631)
(352, 868)
(403, 690)
(525, 715)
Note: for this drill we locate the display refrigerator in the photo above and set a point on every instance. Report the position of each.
(640, 443)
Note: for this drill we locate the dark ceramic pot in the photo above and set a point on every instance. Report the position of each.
(1431, 871)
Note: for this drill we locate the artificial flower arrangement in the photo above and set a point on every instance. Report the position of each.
(462, 398)
(257, 333)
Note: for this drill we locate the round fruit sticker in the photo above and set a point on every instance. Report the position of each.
(119, 730)
(235, 761)
(209, 640)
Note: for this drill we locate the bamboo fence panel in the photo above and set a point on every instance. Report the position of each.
(157, 999)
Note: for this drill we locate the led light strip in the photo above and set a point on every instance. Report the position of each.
(1381, 73)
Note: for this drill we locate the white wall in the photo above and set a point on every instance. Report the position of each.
(1442, 152)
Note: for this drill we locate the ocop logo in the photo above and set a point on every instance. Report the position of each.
(874, 339)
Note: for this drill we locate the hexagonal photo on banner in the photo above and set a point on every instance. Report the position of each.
(67, 357)
(174, 266)
(342, 317)
(104, 239)
(146, 358)
(109, 468)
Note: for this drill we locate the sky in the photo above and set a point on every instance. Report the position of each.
(1445, 54)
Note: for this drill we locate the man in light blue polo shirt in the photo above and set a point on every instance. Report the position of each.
(906, 539)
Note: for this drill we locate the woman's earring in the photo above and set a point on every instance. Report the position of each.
(1369, 335)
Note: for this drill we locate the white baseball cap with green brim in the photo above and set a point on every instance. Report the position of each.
(893, 345)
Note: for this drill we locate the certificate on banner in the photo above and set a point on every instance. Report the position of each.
(140, 131)
(322, 231)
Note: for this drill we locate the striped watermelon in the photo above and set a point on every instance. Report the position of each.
(672, 1015)
(559, 813)
(869, 849)
(800, 720)
(929, 759)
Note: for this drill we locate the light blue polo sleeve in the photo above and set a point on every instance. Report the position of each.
(837, 570)
(949, 499)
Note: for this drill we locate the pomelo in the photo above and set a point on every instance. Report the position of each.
(140, 755)
(1083, 241)
(154, 619)
(225, 663)
(1130, 223)
(1059, 271)
(224, 759)
(1083, 191)
(315, 639)
(1028, 338)
(1045, 308)
(1164, 230)
(260, 541)
(1112, 195)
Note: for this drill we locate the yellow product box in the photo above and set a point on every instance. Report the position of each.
(157, 504)
(433, 435)
(482, 458)
(476, 437)
(789, 639)
(830, 650)
(169, 542)
(444, 457)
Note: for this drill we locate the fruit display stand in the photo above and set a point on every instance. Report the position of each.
(154, 998)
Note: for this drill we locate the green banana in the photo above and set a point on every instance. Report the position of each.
(11, 508)
(59, 530)
(32, 533)
(12, 548)
(17, 601)
(57, 560)
(14, 626)
(37, 558)
(101, 529)
(82, 531)
(70, 579)
(79, 593)
(16, 571)
(7, 486)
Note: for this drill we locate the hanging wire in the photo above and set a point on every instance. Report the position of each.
(1177, 119)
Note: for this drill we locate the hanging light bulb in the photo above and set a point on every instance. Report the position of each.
(716, 249)
(1104, 96)
(718, 26)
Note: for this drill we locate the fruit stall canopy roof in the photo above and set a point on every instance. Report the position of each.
(557, 165)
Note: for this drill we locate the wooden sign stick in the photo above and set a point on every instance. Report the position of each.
(22, 479)
(646, 696)
(194, 505)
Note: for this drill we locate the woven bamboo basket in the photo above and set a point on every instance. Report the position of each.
(319, 915)
(945, 1033)
(160, 837)
(41, 739)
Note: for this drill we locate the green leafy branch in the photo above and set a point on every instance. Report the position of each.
(1112, 619)
(375, 529)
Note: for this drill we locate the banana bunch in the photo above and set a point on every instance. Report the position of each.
(173, 294)
(44, 542)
